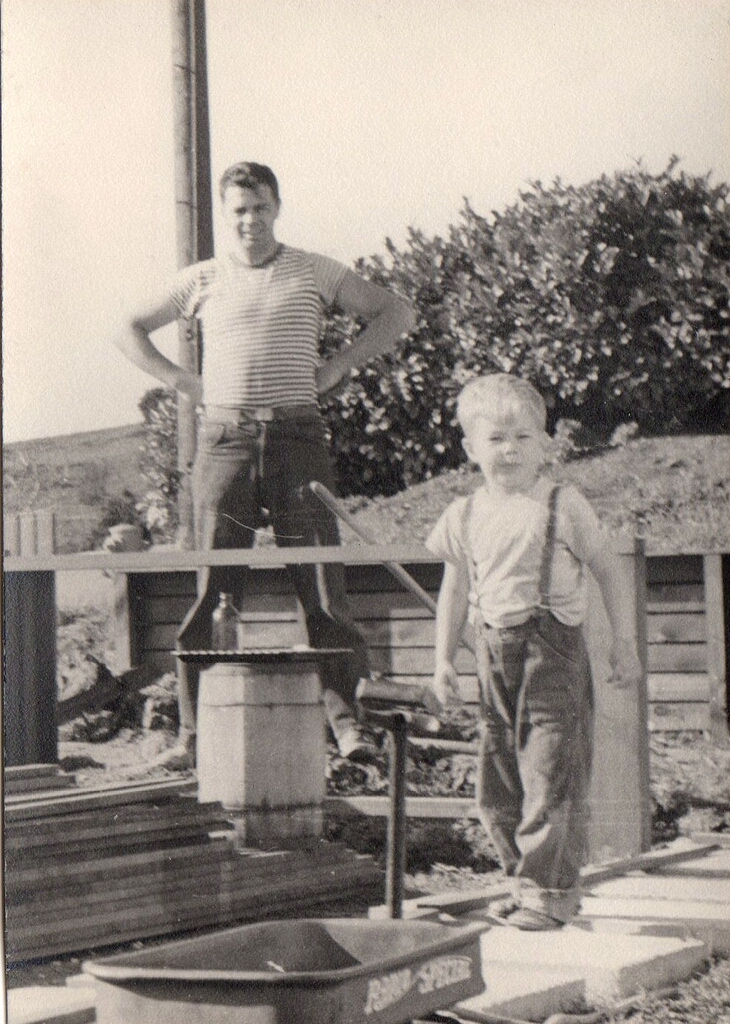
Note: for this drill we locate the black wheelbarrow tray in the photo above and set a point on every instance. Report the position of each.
(318, 971)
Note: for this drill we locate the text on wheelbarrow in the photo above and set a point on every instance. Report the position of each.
(431, 976)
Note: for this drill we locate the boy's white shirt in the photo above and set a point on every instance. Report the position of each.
(504, 535)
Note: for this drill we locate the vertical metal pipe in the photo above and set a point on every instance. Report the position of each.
(193, 215)
(397, 821)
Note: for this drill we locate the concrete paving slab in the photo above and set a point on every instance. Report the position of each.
(612, 967)
(665, 887)
(52, 1004)
(527, 995)
(709, 922)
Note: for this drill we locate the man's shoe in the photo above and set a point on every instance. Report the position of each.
(357, 747)
(180, 758)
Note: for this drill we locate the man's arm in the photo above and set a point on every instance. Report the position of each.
(388, 318)
(134, 341)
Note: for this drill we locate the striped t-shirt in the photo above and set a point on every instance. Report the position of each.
(261, 325)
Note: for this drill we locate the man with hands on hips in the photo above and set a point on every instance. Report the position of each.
(261, 438)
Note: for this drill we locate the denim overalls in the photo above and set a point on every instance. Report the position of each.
(535, 748)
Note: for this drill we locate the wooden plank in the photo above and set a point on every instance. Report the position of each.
(144, 868)
(122, 840)
(29, 771)
(37, 785)
(90, 870)
(258, 634)
(307, 878)
(355, 886)
(99, 821)
(214, 867)
(11, 535)
(670, 688)
(166, 584)
(205, 869)
(427, 807)
(124, 634)
(679, 717)
(45, 532)
(676, 596)
(677, 657)
(676, 628)
(37, 806)
(717, 604)
(179, 560)
(664, 569)
(161, 609)
(620, 798)
(28, 535)
(646, 862)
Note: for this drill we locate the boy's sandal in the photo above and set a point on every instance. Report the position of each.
(529, 920)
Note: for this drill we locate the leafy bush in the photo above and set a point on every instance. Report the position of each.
(117, 509)
(158, 463)
(611, 297)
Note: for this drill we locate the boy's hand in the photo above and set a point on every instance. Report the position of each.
(446, 684)
(627, 670)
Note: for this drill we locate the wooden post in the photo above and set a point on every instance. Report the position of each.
(29, 698)
(193, 214)
(11, 534)
(620, 797)
(28, 533)
(124, 626)
(717, 631)
(45, 532)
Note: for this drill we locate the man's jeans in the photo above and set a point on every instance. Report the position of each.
(535, 757)
(244, 468)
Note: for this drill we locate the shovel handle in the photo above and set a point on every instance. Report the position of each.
(327, 498)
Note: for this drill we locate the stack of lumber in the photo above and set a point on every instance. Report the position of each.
(92, 868)
(33, 778)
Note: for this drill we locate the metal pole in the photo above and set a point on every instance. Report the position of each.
(193, 215)
(395, 867)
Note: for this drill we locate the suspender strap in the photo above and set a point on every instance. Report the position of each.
(546, 566)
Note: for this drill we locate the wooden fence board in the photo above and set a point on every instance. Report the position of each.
(679, 717)
(672, 687)
(717, 607)
(688, 627)
(673, 597)
(677, 657)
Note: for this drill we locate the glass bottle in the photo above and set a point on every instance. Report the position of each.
(225, 625)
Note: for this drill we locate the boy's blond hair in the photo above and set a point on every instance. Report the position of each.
(496, 395)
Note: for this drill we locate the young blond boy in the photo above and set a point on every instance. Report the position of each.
(514, 554)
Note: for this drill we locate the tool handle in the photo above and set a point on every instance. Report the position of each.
(327, 498)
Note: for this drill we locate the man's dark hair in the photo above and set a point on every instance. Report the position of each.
(248, 175)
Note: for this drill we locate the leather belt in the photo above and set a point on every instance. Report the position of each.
(262, 414)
